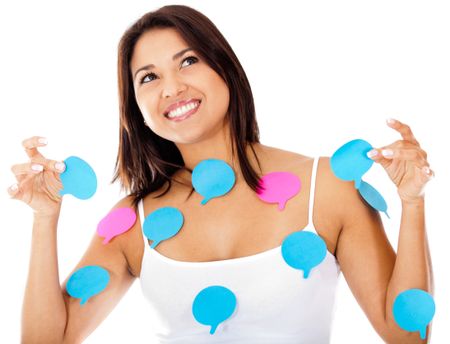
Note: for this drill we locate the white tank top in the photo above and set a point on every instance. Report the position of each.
(275, 304)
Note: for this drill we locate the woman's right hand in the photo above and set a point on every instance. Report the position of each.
(38, 180)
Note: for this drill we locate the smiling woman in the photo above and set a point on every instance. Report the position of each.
(220, 265)
(185, 65)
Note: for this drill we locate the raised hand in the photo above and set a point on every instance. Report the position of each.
(406, 164)
(38, 180)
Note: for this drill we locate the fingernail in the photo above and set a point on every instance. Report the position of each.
(390, 121)
(372, 153)
(42, 140)
(60, 166)
(14, 187)
(36, 167)
(387, 152)
(427, 170)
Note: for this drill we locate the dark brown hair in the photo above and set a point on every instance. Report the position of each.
(145, 161)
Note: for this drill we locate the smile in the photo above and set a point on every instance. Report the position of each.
(183, 112)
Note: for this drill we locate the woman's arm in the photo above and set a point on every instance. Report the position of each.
(43, 310)
(375, 274)
(49, 314)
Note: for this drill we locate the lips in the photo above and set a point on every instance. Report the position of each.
(180, 103)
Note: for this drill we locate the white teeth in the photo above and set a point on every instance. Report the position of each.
(182, 110)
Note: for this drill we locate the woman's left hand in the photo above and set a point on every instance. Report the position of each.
(407, 166)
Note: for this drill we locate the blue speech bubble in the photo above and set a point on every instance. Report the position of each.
(212, 178)
(213, 305)
(87, 282)
(350, 161)
(78, 178)
(373, 197)
(413, 309)
(162, 224)
(303, 250)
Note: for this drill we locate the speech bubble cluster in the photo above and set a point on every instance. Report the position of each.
(162, 224)
(279, 187)
(117, 222)
(303, 250)
(350, 162)
(87, 282)
(212, 178)
(213, 305)
(413, 310)
(78, 179)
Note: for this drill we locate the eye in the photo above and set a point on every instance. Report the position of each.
(189, 58)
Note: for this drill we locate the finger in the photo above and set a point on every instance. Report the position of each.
(404, 130)
(13, 190)
(37, 165)
(397, 153)
(50, 165)
(22, 170)
(31, 143)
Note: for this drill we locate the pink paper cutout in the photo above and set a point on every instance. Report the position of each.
(280, 186)
(118, 221)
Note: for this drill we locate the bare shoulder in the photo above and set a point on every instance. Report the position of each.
(333, 197)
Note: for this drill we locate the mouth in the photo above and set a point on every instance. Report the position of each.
(180, 116)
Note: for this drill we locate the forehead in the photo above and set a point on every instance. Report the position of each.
(155, 45)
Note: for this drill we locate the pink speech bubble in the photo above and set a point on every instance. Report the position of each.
(118, 221)
(280, 186)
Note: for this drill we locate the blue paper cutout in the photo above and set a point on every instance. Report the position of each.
(87, 282)
(350, 161)
(78, 179)
(162, 224)
(373, 197)
(212, 178)
(303, 250)
(213, 305)
(413, 310)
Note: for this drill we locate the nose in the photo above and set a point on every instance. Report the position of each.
(173, 87)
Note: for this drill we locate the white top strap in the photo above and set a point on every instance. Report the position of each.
(142, 218)
(312, 189)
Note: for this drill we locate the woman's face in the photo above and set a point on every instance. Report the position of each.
(172, 80)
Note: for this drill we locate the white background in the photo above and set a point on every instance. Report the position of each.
(322, 73)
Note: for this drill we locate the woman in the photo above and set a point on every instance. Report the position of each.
(176, 56)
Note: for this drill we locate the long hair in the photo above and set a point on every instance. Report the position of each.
(146, 161)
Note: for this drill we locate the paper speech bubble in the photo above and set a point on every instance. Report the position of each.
(279, 187)
(373, 197)
(303, 250)
(213, 305)
(212, 178)
(87, 282)
(413, 310)
(162, 224)
(350, 161)
(78, 179)
(118, 221)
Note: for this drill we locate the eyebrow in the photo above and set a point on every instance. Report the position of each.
(174, 57)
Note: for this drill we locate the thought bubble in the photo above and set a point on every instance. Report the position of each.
(413, 310)
(350, 161)
(78, 179)
(373, 197)
(212, 178)
(87, 282)
(303, 250)
(118, 221)
(279, 187)
(162, 224)
(213, 305)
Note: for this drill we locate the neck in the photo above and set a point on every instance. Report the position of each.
(215, 147)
